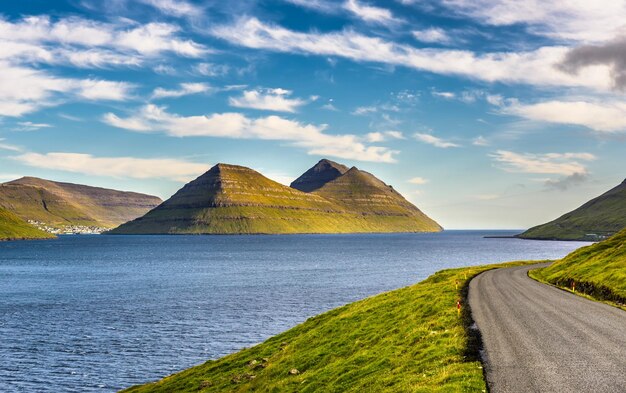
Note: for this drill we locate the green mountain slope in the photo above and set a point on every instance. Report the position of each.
(231, 199)
(14, 228)
(408, 340)
(361, 192)
(597, 219)
(61, 204)
(598, 270)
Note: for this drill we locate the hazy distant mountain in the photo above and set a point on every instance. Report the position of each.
(599, 218)
(14, 228)
(62, 204)
(231, 199)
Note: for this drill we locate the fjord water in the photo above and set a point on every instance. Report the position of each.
(99, 313)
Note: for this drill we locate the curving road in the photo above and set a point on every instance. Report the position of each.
(541, 339)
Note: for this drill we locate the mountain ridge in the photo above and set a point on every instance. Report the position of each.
(231, 199)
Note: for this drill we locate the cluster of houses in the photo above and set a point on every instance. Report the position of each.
(68, 229)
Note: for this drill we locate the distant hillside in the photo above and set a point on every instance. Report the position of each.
(14, 228)
(231, 199)
(597, 219)
(598, 270)
(61, 204)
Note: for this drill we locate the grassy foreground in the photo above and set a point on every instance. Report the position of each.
(406, 340)
(598, 270)
(14, 228)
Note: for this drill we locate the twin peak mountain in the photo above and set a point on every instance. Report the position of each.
(328, 198)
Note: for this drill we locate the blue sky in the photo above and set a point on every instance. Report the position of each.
(485, 114)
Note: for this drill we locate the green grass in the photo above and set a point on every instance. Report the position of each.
(406, 340)
(597, 219)
(14, 228)
(598, 270)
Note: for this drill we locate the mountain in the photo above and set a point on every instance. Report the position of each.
(231, 199)
(62, 204)
(14, 228)
(320, 174)
(597, 219)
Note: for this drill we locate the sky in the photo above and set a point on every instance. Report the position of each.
(484, 113)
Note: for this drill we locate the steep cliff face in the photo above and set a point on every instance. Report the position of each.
(597, 219)
(231, 199)
(61, 204)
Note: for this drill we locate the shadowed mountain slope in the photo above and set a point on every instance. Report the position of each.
(320, 174)
(231, 199)
(599, 218)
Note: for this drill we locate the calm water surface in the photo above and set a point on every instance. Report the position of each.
(99, 313)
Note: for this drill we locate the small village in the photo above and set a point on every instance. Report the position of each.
(68, 229)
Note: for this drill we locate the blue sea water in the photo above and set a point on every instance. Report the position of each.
(99, 313)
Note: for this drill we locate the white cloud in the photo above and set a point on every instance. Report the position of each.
(369, 13)
(480, 141)
(175, 7)
(565, 164)
(152, 118)
(183, 90)
(432, 35)
(535, 67)
(603, 116)
(268, 99)
(433, 140)
(103, 90)
(571, 20)
(38, 89)
(120, 167)
(364, 110)
(448, 95)
(325, 6)
(30, 124)
(383, 136)
(418, 180)
(210, 69)
(87, 43)
(7, 146)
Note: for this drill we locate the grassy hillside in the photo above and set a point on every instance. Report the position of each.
(60, 204)
(598, 270)
(234, 199)
(361, 192)
(410, 339)
(597, 219)
(14, 228)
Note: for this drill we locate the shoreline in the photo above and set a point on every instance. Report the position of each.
(409, 337)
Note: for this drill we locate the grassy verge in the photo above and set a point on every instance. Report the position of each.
(407, 340)
(598, 270)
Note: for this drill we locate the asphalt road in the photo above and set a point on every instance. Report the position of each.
(541, 339)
